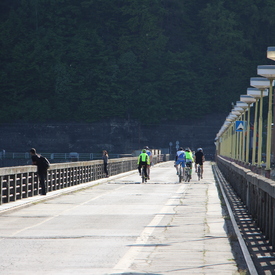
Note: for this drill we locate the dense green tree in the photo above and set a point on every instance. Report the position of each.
(85, 60)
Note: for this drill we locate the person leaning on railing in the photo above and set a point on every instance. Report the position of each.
(42, 166)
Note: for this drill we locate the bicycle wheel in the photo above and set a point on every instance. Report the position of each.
(142, 175)
(180, 174)
(144, 179)
(186, 174)
(189, 174)
(199, 173)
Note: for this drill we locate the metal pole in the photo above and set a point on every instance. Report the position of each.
(255, 133)
(241, 140)
(269, 121)
(233, 146)
(243, 145)
(234, 141)
(260, 132)
(247, 135)
(237, 144)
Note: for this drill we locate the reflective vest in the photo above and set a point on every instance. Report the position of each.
(189, 156)
(143, 157)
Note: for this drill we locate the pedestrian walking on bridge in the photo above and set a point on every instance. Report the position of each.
(105, 158)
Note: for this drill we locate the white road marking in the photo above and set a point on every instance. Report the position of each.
(125, 262)
(62, 212)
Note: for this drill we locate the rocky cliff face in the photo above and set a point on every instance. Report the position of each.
(116, 136)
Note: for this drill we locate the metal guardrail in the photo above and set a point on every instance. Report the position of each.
(256, 192)
(62, 156)
(22, 182)
(249, 262)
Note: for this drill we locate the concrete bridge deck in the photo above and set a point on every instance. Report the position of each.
(117, 226)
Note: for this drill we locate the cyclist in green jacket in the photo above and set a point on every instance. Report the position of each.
(189, 159)
(143, 159)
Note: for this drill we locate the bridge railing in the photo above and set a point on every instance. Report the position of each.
(256, 192)
(20, 182)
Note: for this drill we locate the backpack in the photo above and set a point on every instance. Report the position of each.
(44, 163)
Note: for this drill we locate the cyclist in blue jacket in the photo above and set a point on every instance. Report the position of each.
(180, 159)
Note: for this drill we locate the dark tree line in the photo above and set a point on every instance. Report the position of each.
(85, 60)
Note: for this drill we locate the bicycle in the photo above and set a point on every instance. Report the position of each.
(144, 179)
(199, 172)
(187, 173)
(180, 172)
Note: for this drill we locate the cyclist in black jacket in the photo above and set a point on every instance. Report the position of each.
(199, 159)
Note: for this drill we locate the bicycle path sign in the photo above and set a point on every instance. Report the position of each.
(240, 126)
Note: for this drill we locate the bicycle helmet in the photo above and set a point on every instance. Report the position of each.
(187, 149)
(180, 149)
(143, 150)
(199, 149)
(146, 147)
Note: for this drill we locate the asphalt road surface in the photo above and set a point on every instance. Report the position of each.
(110, 228)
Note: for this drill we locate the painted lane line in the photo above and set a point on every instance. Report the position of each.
(125, 262)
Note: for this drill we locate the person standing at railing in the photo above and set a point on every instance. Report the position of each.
(105, 158)
(42, 165)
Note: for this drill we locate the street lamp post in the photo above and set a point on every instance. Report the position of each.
(256, 93)
(271, 55)
(268, 71)
(242, 138)
(262, 84)
(249, 100)
(223, 138)
(231, 118)
(236, 112)
(238, 134)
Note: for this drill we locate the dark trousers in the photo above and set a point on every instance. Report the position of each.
(145, 168)
(42, 178)
(106, 168)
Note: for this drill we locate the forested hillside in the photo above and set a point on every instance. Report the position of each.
(85, 60)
